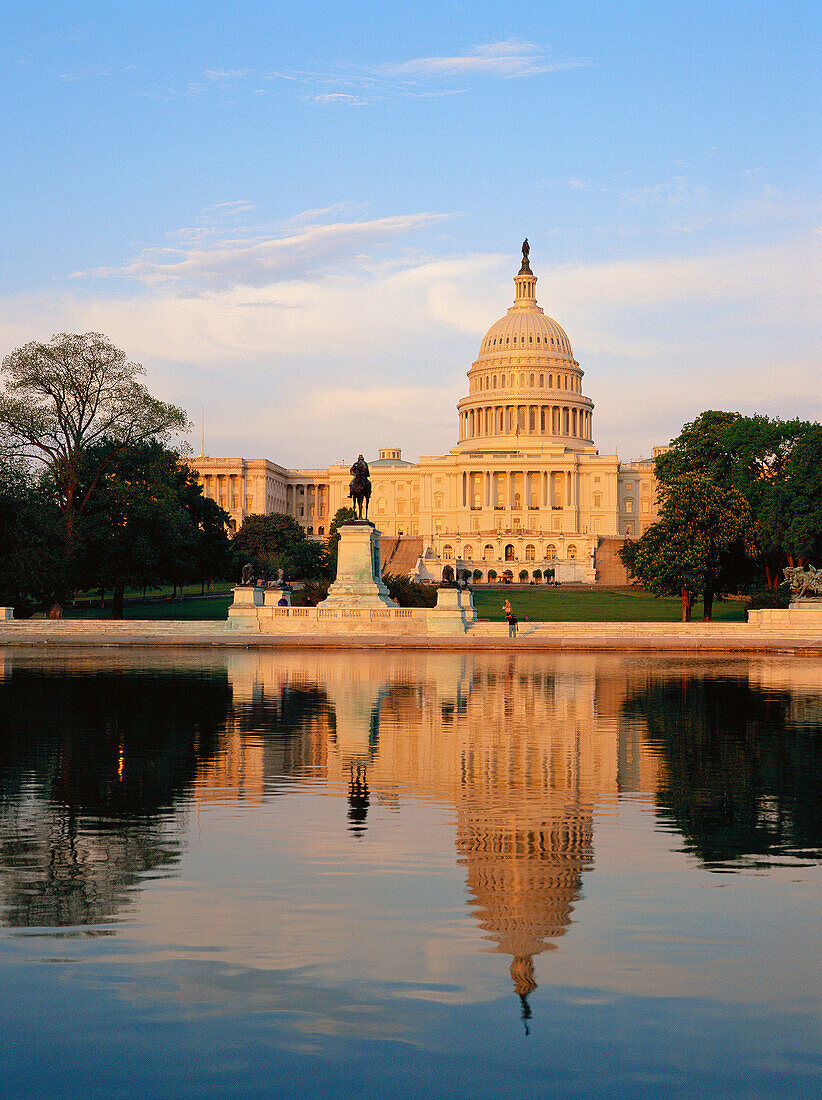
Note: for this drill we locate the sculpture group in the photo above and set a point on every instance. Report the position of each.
(804, 582)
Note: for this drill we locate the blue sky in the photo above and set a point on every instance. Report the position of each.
(304, 217)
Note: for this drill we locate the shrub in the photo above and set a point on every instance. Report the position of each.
(768, 598)
(408, 593)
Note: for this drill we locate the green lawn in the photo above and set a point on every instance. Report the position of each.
(188, 608)
(538, 604)
(554, 605)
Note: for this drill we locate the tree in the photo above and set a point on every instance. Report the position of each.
(754, 454)
(69, 396)
(699, 545)
(144, 523)
(267, 537)
(790, 505)
(29, 539)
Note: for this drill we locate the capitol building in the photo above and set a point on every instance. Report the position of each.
(523, 490)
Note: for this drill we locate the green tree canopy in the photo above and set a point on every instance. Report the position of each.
(71, 397)
(147, 522)
(267, 537)
(277, 541)
(699, 545)
(30, 540)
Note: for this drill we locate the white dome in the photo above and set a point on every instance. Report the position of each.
(525, 331)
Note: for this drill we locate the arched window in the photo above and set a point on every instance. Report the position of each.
(488, 552)
(530, 552)
(320, 530)
(541, 377)
(509, 553)
(550, 552)
(448, 553)
(468, 553)
(537, 575)
(495, 382)
(572, 553)
(531, 383)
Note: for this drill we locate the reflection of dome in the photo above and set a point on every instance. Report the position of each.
(524, 881)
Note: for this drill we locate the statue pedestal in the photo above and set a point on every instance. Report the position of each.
(454, 612)
(248, 595)
(358, 583)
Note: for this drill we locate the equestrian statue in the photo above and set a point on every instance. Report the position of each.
(360, 488)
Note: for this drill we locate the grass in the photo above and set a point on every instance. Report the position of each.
(553, 605)
(189, 608)
(538, 604)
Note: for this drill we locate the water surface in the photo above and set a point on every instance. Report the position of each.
(408, 874)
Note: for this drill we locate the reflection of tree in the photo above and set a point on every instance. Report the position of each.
(739, 778)
(89, 767)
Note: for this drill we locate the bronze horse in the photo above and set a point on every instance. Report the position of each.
(360, 488)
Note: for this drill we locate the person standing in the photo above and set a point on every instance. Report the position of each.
(510, 618)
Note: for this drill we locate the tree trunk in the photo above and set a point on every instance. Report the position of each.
(687, 600)
(707, 604)
(118, 601)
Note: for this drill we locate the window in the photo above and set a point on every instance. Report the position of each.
(542, 376)
(488, 552)
(468, 553)
(531, 383)
(530, 552)
(448, 553)
(629, 505)
(597, 500)
(646, 506)
(492, 574)
(381, 506)
(400, 507)
(438, 526)
(572, 553)
(629, 530)
(438, 500)
(550, 552)
(320, 530)
(509, 553)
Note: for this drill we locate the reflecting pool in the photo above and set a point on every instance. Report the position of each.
(392, 874)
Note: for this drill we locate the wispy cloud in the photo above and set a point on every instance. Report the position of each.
(225, 74)
(262, 259)
(509, 58)
(340, 98)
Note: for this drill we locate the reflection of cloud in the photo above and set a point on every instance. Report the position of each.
(509, 58)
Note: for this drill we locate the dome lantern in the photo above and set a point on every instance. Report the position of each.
(525, 280)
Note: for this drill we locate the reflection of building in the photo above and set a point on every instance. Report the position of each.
(523, 750)
(523, 489)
